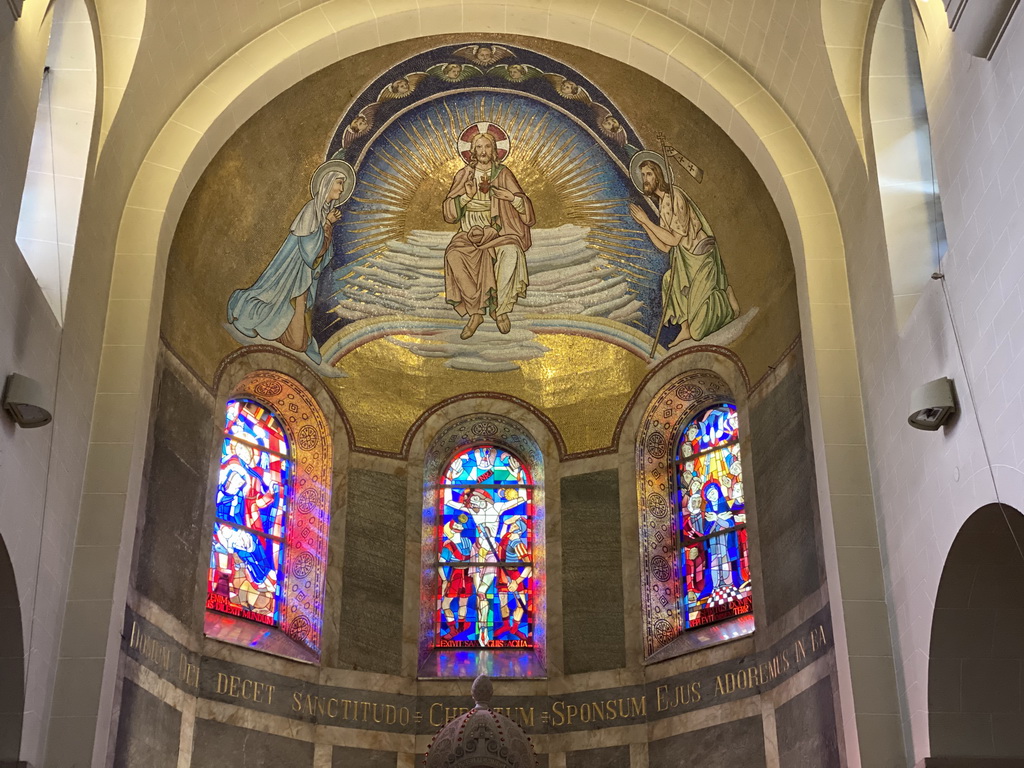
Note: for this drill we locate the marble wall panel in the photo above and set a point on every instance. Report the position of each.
(172, 529)
(606, 757)
(740, 742)
(787, 502)
(353, 757)
(147, 731)
(372, 584)
(592, 602)
(219, 744)
(806, 729)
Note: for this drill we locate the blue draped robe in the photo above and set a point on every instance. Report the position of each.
(265, 308)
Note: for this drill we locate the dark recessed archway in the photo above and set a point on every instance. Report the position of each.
(975, 701)
(12, 664)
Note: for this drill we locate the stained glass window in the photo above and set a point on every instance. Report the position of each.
(485, 552)
(712, 519)
(249, 530)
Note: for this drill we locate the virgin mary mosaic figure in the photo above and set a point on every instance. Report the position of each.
(278, 306)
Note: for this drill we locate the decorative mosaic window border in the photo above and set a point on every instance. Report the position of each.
(309, 505)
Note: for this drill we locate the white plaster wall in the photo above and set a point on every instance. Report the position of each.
(927, 484)
(32, 467)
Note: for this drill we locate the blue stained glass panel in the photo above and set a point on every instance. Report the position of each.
(717, 579)
(485, 553)
(252, 488)
(716, 426)
(252, 423)
(244, 574)
(247, 551)
(712, 519)
(710, 494)
(486, 465)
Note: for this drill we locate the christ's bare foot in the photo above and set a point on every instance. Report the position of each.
(474, 322)
(683, 335)
(503, 323)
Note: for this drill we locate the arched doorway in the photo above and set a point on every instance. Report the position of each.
(12, 664)
(974, 674)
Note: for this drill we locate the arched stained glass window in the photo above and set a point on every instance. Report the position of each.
(485, 554)
(712, 519)
(249, 529)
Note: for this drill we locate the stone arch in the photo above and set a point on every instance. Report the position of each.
(846, 28)
(974, 678)
(12, 663)
(645, 39)
(120, 33)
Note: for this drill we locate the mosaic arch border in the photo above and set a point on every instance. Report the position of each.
(309, 511)
(232, 367)
(463, 432)
(645, 39)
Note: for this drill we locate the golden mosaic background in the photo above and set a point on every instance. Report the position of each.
(241, 209)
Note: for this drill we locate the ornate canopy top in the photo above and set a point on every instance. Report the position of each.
(481, 738)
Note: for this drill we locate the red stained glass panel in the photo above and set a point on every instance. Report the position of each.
(247, 551)
(485, 552)
(712, 519)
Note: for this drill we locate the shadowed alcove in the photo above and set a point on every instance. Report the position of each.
(974, 677)
(12, 653)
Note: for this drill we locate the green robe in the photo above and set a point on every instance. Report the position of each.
(694, 288)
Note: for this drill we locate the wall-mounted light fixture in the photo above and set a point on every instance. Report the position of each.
(26, 402)
(932, 404)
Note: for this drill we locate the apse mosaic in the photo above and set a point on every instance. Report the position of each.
(485, 552)
(448, 216)
(475, 196)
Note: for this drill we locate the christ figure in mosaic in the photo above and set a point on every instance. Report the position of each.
(485, 262)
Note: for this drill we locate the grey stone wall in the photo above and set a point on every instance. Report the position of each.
(372, 584)
(351, 757)
(782, 463)
(739, 743)
(592, 602)
(806, 729)
(216, 745)
(175, 497)
(606, 757)
(147, 732)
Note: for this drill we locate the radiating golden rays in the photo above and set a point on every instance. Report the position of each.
(404, 182)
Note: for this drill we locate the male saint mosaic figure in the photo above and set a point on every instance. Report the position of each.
(695, 291)
(485, 262)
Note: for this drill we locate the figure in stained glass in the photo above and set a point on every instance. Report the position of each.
(456, 584)
(486, 527)
(712, 520)
(247, 549)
